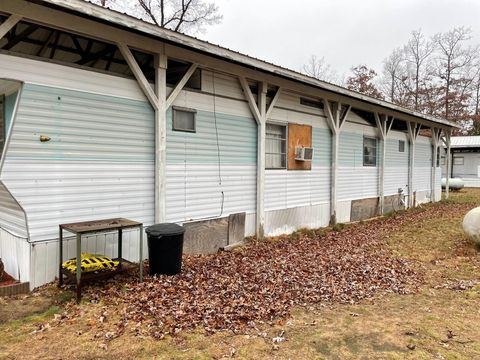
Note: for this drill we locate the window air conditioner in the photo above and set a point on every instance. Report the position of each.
(303, 153)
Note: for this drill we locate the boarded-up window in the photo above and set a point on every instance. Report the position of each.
(369, 151)
(298, 136)
(275, 146)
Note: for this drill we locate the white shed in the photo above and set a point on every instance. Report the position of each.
(465, 159)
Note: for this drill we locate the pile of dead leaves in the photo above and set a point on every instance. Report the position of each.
(262, 282)
(234, 290)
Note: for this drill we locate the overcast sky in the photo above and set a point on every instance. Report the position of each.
(345, 32)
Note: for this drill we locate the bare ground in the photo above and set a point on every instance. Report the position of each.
(429, 309)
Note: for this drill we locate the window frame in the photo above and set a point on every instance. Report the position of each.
(443, 160)
(187, 110)
(458, 158)
(285, 140)
(365, 137)
(401, 149)
(312, 103)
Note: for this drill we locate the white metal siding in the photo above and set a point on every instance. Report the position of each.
(210, 179)
(438, 184)
(423, 165)
(12, 216)
(469, 169)
(65, 77)
(284, 221)
(98, 163)
(356, 181)
(396, 164)
(286, 189)
(15, 254)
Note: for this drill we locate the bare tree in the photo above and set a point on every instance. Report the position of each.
(189, 16)
(395, 76)
(318, 68)
(475, 121)
(454, 63)
(181, 15)
(362, 81)
(417, 52)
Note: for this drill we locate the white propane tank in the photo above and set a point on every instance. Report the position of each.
(471, 225)
(453, 183)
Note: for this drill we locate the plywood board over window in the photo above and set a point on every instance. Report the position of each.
(298, 135)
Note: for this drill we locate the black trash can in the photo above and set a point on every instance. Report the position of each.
(165, 247)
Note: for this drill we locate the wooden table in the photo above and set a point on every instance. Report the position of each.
(91, 227)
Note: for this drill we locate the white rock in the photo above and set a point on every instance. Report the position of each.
(471, 225)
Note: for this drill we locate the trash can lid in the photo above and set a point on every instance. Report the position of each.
(165, 229)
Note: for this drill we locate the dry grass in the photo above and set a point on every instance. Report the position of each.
(436, 323)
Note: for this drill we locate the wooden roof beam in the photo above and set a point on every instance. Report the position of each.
(9, 24)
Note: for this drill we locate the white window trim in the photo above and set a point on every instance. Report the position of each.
(285, 125)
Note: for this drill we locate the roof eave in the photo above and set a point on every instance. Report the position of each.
(130, 22)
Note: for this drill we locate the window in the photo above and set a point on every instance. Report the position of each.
(443, 161)
(312, 103)
(369, 151)
(184, 119)
(276, 146)
(401, 146)
(458, 160)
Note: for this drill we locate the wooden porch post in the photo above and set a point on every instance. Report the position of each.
(261, 114)
(335, 121)
(413, 130)
(436, 132)
(384, 125)
(447, 142)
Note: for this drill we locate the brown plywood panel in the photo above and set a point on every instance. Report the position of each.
(298, 135)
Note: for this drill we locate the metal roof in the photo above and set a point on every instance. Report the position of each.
(465, 141)
(130, 22)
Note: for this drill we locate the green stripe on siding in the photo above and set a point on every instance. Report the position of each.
(322, 144)
(82, 126)
(237, 140)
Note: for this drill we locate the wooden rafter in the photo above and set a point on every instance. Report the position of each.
(17, 38)
(77, 44)
(137, 72)
(44, 47)
(251, 100)
(88, 57)
(9, 24)
(273, 102)
(55, 45)
(173, 95)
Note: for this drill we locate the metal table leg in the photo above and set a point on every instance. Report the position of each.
(141, 253)
(120, 242)
(60, 255)
(79, 267)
